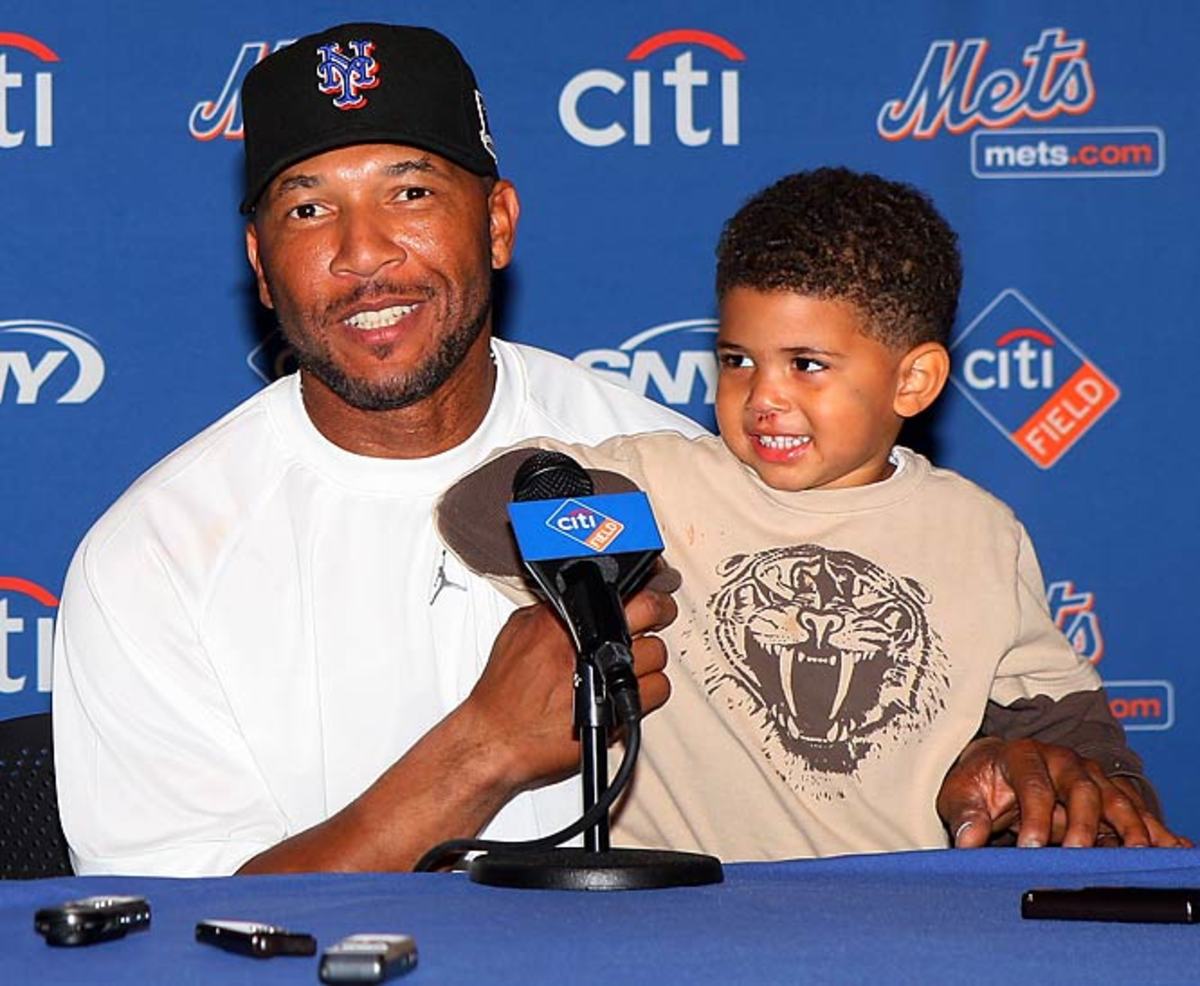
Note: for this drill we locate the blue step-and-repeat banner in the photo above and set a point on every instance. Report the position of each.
(1059, 138)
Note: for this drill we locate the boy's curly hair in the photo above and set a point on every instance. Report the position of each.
(838, 234)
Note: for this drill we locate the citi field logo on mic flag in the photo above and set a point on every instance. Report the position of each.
(559, 528)
(1025, 376)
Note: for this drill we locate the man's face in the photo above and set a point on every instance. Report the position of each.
(804, 397)
(377, 259)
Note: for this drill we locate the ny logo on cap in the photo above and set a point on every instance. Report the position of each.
(345, 76)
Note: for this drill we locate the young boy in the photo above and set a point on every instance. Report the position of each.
(848, 613)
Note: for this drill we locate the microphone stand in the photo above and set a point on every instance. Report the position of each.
(597, 866)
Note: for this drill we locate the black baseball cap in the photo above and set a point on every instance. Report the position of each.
(362, 84)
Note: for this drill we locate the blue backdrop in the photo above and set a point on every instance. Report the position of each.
(1058, 137)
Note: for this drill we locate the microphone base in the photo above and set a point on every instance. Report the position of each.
(583, 869)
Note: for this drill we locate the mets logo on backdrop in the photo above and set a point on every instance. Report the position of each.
(581, 523)
(1142, 704)
(1028, 379)
(345, 76)
(222, 115)
(952, 92)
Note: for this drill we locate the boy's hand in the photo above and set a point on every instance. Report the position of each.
(1047, 795)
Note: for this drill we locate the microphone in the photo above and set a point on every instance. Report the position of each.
(565, 536)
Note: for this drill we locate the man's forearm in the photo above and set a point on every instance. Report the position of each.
(449, 785)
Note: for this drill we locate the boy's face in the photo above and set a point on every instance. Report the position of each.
(804, 396)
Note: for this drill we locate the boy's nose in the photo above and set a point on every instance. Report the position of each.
(766, 395)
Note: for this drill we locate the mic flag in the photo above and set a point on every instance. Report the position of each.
(620, 526)
(585, 551)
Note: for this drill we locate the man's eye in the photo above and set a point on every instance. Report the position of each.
(306, 210)
(412, 194)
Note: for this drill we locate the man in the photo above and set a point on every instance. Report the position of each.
(265, 661)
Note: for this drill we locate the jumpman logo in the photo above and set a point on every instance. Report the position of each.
(345, 76)
(440, 581)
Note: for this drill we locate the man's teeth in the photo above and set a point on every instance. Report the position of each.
(380, 319)
(783, 441)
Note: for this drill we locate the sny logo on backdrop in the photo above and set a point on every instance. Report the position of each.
(34, 353)
(602, 128)
(222, 117)
(1028, 379)
(673, 363)
(1141, 705)
(950, 91)
(26, 635)
(37, 108)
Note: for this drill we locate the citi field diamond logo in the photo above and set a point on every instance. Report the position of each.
(1028, 379)
(582, 523)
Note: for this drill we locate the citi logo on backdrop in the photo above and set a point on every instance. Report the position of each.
(673, 363)
(47, 362)
(26, 97)
(26, 635)
(600, 107)
(1025, 376)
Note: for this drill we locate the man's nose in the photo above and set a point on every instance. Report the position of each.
(366, 244)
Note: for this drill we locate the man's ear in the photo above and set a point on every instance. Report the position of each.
(504, 208)
(923, 373)
(264, 292)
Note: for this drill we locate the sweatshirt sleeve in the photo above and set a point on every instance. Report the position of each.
(1043, 690)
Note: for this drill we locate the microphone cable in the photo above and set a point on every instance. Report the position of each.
(633, 740)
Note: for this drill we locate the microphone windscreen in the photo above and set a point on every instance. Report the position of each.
(547, 475)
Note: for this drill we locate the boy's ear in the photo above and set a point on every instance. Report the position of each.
(923, 373)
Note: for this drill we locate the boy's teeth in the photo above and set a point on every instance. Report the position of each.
(784, 441)
(380, 319)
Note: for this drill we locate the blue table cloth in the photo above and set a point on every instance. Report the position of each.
(928, 917)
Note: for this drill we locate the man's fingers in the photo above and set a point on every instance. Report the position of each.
(1085, 802)
(971, 829)
(1123, 811)
(654, 690)
(649, 655)
(1025, 770)
(965, 801)
(650, 610)
(649, 660)
(1158, 833)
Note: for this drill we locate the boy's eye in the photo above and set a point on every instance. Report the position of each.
(307, 210)
(806, 364)
(734, 361)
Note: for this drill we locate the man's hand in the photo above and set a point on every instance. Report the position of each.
(513, 732)
(1047, 795)
(523, 702)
